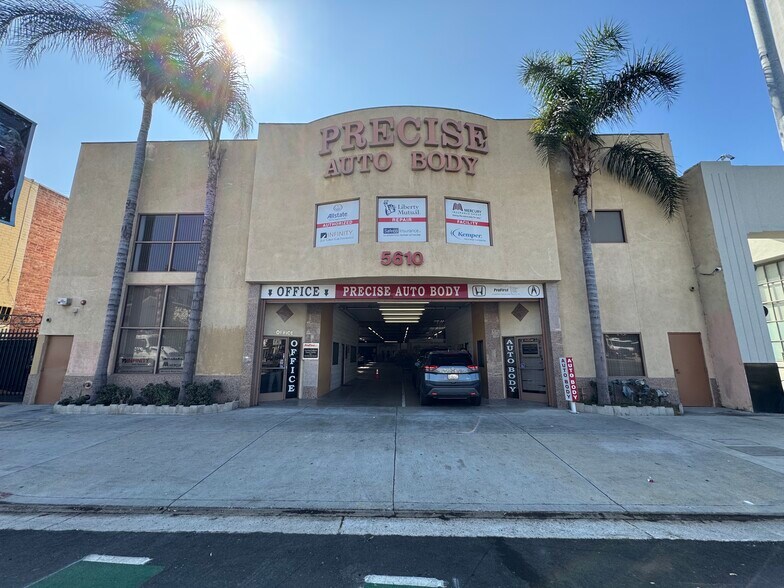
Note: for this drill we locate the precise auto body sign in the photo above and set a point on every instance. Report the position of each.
(401, 291)
(467, 222)
(402, 219)
(337, 223)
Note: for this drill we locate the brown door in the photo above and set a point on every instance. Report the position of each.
(691, 375)
(56, 356)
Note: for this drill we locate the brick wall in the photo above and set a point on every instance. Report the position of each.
(42, 242)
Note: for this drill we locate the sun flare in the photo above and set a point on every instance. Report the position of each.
(250, 33)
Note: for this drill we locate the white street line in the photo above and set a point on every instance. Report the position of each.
(117, 559)
(403, 389)
(404, 581)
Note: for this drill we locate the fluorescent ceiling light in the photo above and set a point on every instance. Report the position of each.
(420, 302)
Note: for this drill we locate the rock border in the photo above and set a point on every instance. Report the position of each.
(141, 409)
(626, 410)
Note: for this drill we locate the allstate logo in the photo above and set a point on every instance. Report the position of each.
(337, 207)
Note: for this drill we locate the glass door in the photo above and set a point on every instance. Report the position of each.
(273, 365)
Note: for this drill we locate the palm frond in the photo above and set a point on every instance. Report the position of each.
(33, 27)
(647, 170)
(598, 46)
(654, 76)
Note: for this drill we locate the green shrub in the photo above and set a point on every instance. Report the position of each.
(113, 394)
(202, 393)
(160, 394)
(64, 401)
(79, 400)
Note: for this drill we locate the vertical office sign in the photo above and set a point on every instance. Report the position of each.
(292, 367)
(337, 223)
(401, 219)
(467, 222)
(510, 367)
(16, 135)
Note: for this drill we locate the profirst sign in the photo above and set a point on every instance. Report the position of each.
(445, 138)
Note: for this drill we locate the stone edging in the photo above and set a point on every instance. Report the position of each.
(626, 410)
(140, 409)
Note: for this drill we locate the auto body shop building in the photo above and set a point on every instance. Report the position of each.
(370, 236)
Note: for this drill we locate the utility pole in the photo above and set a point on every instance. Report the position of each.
(769, 58)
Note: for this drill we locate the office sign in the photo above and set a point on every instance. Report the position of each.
(510, 367)
(569, 379)
(400, 291)
(16, 136)
(337, 223)
(292, 367)
(310, 351)
(505, 291)
(401, 219)
(467, 222)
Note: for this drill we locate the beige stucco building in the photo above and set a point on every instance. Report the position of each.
(369, 236)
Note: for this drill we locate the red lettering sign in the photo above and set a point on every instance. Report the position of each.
(403, 291)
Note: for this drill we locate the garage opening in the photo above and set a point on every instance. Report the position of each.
(375, 346)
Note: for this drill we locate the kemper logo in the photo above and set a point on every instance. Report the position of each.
(457, 206)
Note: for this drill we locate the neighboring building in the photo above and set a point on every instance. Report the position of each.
(369, 235)
(735, 217)
(27, 253)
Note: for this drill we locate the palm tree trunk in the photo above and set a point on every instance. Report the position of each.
(597, 337)
(197, 302)
(121, 260)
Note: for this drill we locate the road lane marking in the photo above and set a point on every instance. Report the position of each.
(403, 582)
(117, 559)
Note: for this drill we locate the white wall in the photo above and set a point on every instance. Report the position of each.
(511, 327)
(344, 330)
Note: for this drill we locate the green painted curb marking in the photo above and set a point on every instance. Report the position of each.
(88, 574)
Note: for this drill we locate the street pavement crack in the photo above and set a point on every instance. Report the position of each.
(235, 454)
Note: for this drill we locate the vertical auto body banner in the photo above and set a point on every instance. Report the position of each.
(402, 219)
(337, 223)
(467, 222)
(16, 135)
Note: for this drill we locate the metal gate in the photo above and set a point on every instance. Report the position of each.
(16, 358)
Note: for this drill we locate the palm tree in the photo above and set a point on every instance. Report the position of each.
(137, 40)
(214, 94)
(603, 84)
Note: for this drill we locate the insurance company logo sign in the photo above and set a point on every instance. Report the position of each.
(467, 222)
(401, 291)
(402, 219)
(337, 223)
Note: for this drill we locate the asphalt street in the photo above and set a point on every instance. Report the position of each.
(274, 559)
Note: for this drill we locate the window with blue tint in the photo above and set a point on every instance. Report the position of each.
(167, 242)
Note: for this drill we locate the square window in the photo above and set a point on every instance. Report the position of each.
(189, 227)
(607, 227)
(185, 257)
(144, 306)
(151, 257)
(167, 242)
(624, 355)
(137, 351)
(156, 227)
(172, 350)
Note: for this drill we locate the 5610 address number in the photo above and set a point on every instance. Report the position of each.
(400, 258)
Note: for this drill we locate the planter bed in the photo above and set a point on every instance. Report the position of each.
(626, 410)
(141, 409)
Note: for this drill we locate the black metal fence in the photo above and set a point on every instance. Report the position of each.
(16, 357)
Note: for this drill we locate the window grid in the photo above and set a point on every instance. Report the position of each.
(5, 313)
(161, 329)
(770, 279)
(172, 242)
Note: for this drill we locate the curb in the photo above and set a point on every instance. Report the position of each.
(40, 509)
(150, 409)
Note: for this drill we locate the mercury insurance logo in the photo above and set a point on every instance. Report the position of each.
(457, 206)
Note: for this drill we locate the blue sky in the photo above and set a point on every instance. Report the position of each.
(345, 54)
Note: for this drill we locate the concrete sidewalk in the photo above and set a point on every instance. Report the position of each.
(408, 461)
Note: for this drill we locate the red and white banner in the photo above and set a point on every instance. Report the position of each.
(467, 222)
(402, 219)
(569, 379)
(402, 291)
(337, 223)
